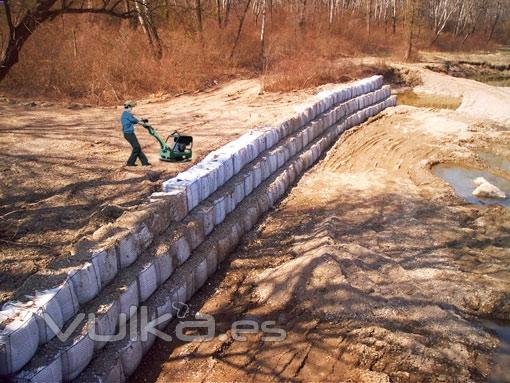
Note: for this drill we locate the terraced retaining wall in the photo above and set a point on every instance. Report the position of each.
(160, 255)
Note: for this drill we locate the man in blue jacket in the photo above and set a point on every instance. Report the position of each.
(128, 122)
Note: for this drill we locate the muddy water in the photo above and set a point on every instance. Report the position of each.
(495, 160)
(423, 100)
(500, 372)
(461, 179)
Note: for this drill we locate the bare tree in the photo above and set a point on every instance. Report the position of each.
(41, 12)
(147, 24)
(239, 30)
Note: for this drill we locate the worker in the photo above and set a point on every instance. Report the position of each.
(128, 122)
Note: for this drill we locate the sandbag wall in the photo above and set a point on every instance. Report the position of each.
(170, 254)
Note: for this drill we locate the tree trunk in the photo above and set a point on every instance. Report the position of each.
(409, 50)
(239, 30)
(198, 10)
(302, 18)
(227, 13)
(263, 35)
(493, 28)
(332, 4)
(218, 12)
(148, 27)
(394, 18)
(369, 18)
(19, 34)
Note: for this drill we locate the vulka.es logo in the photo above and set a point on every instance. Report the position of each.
(138, 326)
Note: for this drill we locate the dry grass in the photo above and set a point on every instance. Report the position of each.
(94, 60)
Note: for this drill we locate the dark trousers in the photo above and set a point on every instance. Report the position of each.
(137, 150)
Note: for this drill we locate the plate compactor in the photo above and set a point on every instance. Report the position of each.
(177, 151)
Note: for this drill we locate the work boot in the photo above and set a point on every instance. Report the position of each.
(147, 164)
(131, 165)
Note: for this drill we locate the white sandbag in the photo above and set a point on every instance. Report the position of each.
(250, 218)
(347, 93)
(378, 81)
(164, 308)
(307, 158)
(235, 235)
(280, 157)
(223, 247)
(362, 102)
(248, 183)
(106, 262)
(273, 161)
(190, 186)
(179, 296)
(19, 338)
(386, 92)
(309, 114)
(206, 186)
(131, 356)
(67, 300)
(226, 163)
(151, 338)
(304, 137)
(292, 145)
(316, 152)
(285, 177)
(330, 101)
(257, 175)
(194, 231)
(272, 138)
(147, 282)
(240, 158)
(51, 372)
(283, 130)
(230, 201)
(253, 151)
(263, 202)
(286, 153)
(258, 140)
(238, 192)
(86, 283)
(46, 305)
(330, 118)
(206, 214)
(299, 165)
(181, 249)
(294, 124)
(212, 260)
(310, 132)
(271, 194)
(315, 129)
(219, 210)
(106, 323)
(189, 278)
(129, 298)
(76, 357)
(164, 267)
(143, 237)
(200, 274)
(127, 250)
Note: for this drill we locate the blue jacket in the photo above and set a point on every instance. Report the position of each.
(128, 122)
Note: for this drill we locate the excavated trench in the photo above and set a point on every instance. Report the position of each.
(157, 257)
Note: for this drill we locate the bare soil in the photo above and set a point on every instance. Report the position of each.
(372, 265)
(62, 172)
